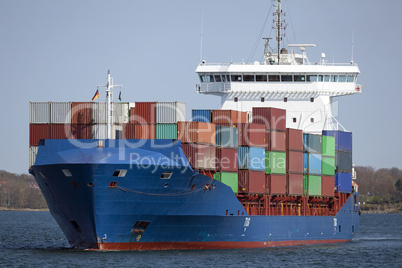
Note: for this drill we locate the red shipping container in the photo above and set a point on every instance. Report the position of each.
(294, 162)
(196, 132)
(200, 156)
(294, 139)
(243, 180)
(227, 159)
(294, 183)
(272, 118)
(144, 132)
(276, 141)
(276, 184)
(128, 131)
(144, 113)
(229, 117)
(257, 183)
(37, 132)
(252, 135)
(327, 186)
(132, 115)
(81, 112)
(80, 131)
(60, 131)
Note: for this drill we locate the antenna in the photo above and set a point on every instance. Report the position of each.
(202, 29)
(279, 25)
(353, 44)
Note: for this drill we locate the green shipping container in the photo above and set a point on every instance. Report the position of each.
(166, 131)
(328, 165)
(229, 178)
(314, 185)
(275, 162)
(328, 146)
(305, 184)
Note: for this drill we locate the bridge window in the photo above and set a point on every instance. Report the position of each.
(286, 78)
(300, 78)
(225, 78)
(236, 78)
(320, 78)
(207, 78)
(311, 78)
(248, 78)
(218, 78)
(351, 78)
(273, 78)
(342, 78)
(326, 78)
(334, 78)
(261, 78)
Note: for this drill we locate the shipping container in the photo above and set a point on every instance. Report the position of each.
(344, 162)
(228, 178)
(99, 131)
(314, 185)
(312, 143)
(200, 156)
(39, 112)
(257, 183)
(33, 151)
(60, 131)
(305, 184)
(228, 117)
(314, 164)
(128, 131)
(201, 116)
(343, 182)
(196, 132)
(145, 113)
(120, 112)
(243, 181)
(81, 112)
(38, 132)
(276, 140)
(252, 135)
(252, 158)
(328, 165)
(142, 131)
(327, 186)
(328, 146)
(276, 184)
(275, 162)
(305, 163)
(132, 115)
(99, 113)
(170, 112)
(343, 139)
(272, 118)
(81, 131)
(294, 184)
(294, 139)
(227, 137)
(166, 131)
(60, 112)
(227, 159)
(294, 162)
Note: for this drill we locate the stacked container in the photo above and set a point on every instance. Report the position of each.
(343, 159)
(228, 117)
(274, 121)
(201, 116)
(226, 155)
(312, 148)
(328, 166)
(294, 161)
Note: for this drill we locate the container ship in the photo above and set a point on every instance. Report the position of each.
(272, 167)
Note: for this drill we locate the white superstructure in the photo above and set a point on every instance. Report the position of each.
(285, 80)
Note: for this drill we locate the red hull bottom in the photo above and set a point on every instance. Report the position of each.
(211, 245)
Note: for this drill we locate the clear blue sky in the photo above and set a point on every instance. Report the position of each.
(60, 50)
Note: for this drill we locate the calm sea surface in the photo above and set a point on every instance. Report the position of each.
(33, 239)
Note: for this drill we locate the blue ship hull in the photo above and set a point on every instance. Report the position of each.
(99, 208)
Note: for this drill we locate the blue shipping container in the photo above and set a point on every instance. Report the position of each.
(343, 139)
(305, 142)
(305, 163)
(227, 137)
(257, 159)
(202, 116)
(314, 164)
(343, 181)
(251, 158)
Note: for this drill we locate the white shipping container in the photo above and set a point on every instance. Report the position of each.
(39, 112)
(170, 112)
(121, 112)
(249, 117)
(33, 151)
(99, 112)
(99, 131)
(60, 112)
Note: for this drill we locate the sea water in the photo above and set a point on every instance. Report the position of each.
(33, 239)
